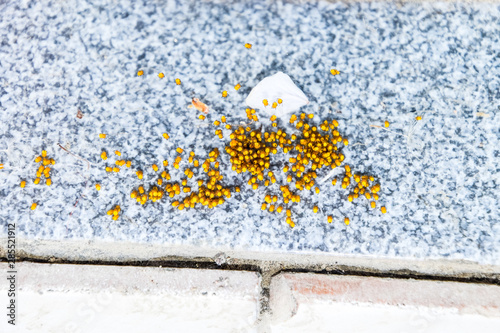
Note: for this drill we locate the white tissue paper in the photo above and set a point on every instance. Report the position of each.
(272, 88)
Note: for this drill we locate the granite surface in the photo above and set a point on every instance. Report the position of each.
(439, 176)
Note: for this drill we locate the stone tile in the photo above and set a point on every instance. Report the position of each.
(438, 175)
(328, 303)
(82, 298)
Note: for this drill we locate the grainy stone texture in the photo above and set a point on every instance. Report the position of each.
(439, 176)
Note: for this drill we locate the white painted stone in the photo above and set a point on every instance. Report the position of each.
(82, 298)
(326, 303)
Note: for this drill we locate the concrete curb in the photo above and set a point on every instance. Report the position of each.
(84, 298)
(122, 252)
(294, 295)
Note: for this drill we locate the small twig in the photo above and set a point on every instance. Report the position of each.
(408, 134)
(327, 177)
(388, 130)
(81, 158)
(242, 123)
(358, 144)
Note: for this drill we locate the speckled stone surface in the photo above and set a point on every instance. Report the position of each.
(439, 176)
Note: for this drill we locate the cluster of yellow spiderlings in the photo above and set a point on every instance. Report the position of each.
(251, 114)
(311, 150)
(211, 195)
(155, 194)
(113, 169)
(250, 150)
(118, 163)
(362, 187)
(114, 212)
(161, 75)
(43, 169)
(210, 192)
(274, 105)
(315, 148)
(218, 132)
(334, 71)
